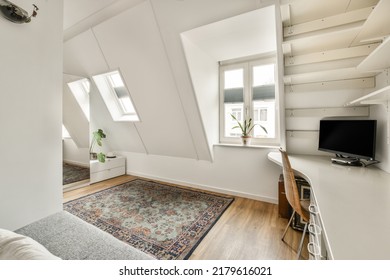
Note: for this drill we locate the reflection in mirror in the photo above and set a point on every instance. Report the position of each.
(75, 143)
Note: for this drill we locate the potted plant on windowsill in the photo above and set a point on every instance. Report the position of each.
(97, 137)
(246, 128)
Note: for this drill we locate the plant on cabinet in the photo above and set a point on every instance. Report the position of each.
(97, 137)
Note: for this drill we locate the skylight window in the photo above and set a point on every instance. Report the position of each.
(116, 96)
(80, 90)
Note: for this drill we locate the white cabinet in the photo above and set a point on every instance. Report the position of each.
(113, 167)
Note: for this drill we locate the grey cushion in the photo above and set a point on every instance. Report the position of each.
(71, 238)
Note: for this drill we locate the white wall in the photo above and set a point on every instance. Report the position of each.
(381, 114)
(204, 72)
(73, 154)
(30, 116)
(241, 171)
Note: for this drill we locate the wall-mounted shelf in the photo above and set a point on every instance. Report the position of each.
(380, 96)
(379, 59)
(378, 18)
(327, 75)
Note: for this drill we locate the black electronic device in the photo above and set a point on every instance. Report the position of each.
(350, 140)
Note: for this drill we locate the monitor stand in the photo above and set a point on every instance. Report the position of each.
(347, 161)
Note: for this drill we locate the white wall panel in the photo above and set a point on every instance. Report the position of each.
(309, 119)
(381, 113)
(303, 142)
(241, 171)
(205, 79)
(30, 117)
(335, 98)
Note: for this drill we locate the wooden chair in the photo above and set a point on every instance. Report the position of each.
(301, 207)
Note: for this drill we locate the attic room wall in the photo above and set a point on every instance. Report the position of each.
(30, 116)
(241, 171)
(381, 114)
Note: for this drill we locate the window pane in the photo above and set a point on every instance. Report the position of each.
(234, 79)
(263, 96)
(116, 96)
(265, 118)
(237, 110)
(263, 75)
(127, 105)
(233, 100)
(116, 80)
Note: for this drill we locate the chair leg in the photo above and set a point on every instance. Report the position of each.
(301, 243)
(289, 223)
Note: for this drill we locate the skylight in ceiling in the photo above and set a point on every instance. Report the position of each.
(116, 96)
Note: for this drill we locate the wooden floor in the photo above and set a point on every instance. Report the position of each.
(248, 230)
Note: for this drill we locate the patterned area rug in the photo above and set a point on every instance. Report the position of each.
(73, 173)
(164, 221)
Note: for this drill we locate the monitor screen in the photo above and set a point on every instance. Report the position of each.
(353, 138)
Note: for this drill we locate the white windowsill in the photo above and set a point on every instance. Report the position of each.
(247, 146)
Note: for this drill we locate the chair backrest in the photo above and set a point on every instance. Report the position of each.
(290, 186)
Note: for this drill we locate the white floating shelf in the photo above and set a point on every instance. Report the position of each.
(324, 41)
(377, 24)
(379, 59)
(328, 75)
(379, 96)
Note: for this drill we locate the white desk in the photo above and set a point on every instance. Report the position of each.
(353, 203)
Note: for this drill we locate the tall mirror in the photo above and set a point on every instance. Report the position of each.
(75, 143)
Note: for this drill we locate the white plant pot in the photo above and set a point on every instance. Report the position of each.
(246, 140)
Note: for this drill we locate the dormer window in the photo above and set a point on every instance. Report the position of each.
(116, 96)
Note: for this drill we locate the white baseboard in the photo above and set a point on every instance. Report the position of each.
(206, 188)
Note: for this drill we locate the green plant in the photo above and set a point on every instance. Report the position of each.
(97, 137)
(247, 126)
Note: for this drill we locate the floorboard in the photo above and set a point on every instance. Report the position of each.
(248, 230)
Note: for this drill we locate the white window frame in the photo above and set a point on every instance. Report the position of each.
(111, 99)
(248, 104)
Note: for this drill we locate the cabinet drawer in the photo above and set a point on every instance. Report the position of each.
(110, 163)
(107, 174)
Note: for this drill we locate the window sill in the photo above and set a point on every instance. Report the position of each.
(247, 146)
